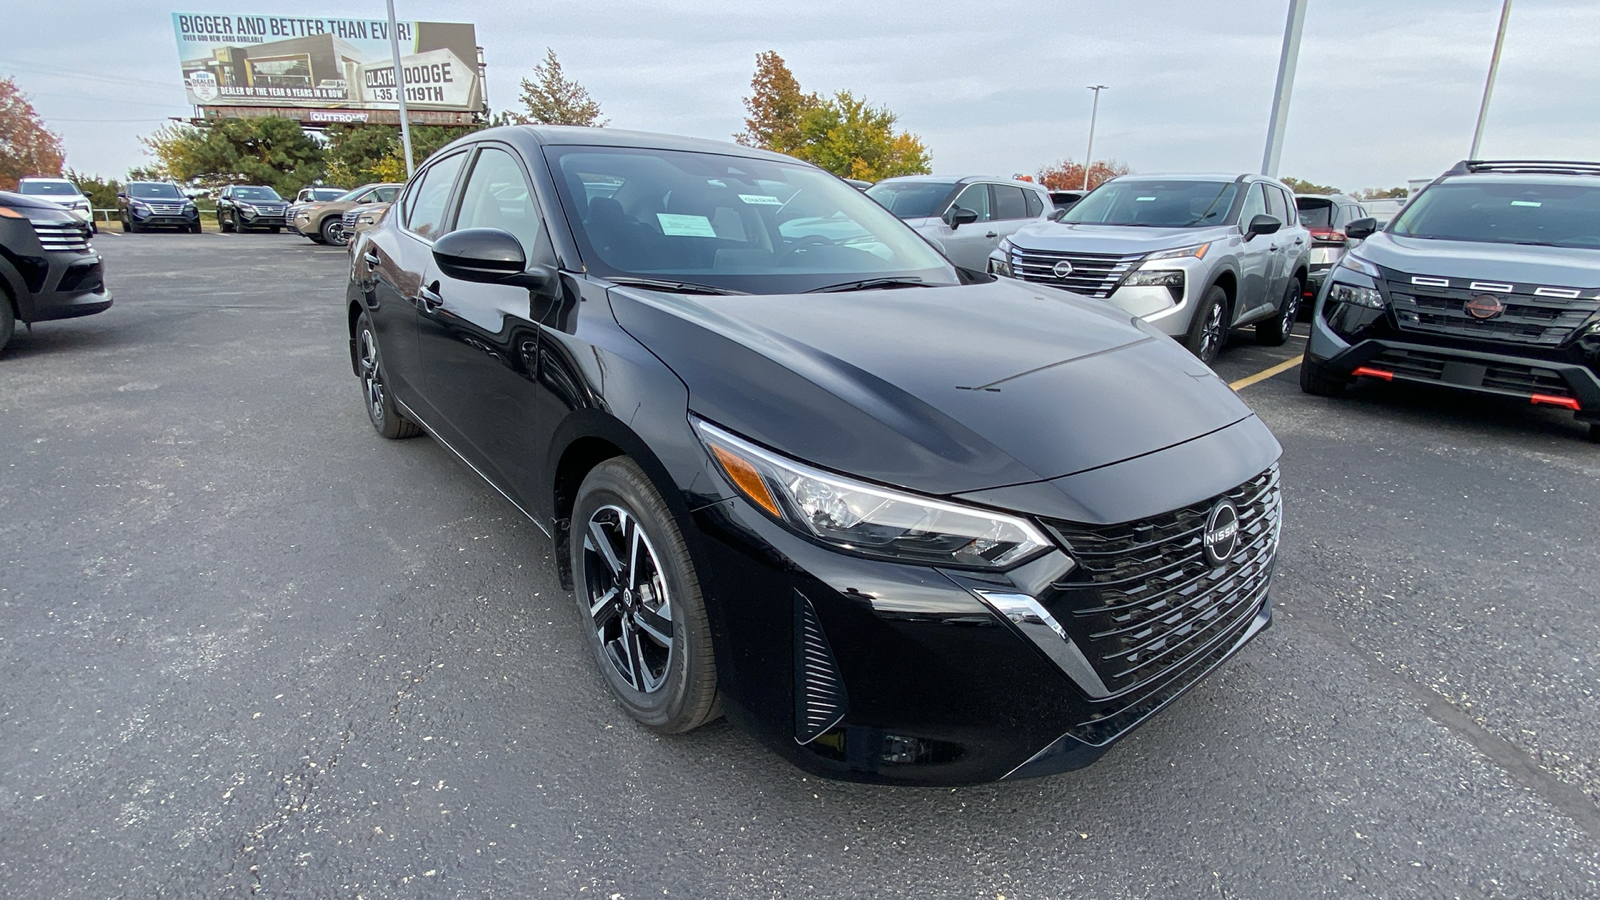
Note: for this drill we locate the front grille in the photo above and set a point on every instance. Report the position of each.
(349, 218)
(1515, 378)
(164, 209)
(62, 235)
(1143, 599)
(1093, 274)
(1439, 307)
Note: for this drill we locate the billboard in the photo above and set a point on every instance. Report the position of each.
(326, 70)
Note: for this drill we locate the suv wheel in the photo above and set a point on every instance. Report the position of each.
(1275, 331)
(333, 231)
(1317, 380)
(1208, 331)
(1594, 432)
(222, 224)
(639, 601)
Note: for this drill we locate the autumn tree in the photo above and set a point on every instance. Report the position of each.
(26, 146)
(1308, 187)
(844, 134)
(268, 150)
(551, 98)
(775, 106)
(1067, 175)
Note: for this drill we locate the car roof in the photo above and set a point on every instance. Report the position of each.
(577, 135)
(958, 179)
(1331, 198)
(1524, 178)
(1193, 176)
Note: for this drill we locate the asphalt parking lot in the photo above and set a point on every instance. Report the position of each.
(247, 647)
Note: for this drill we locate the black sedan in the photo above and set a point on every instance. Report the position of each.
(903, 525)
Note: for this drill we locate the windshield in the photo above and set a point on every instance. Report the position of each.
(1315, 213)
(150, 190)
(911, 199)
(1156, 204)
(255, 193)
(1558, 214)
(325, 193)
(48, 188)
(731, 222)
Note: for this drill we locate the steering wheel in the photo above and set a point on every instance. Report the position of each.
(808, 241)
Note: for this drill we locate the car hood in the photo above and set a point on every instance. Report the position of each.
(1120, 239)
(939, 390)
(1555, 266)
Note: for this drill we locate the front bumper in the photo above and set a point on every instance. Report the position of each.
(73, 286)
(865, 670)
(174, 220)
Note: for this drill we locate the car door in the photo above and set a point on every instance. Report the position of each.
(224, 203)
(480, 342)
(1010, 205)
(1292, 242)
(1256, 255)
(968, 245)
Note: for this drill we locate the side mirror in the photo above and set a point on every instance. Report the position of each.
(1359, 229)
(490, 256)
(122, 195)
(1057, 215)
(957, 216)
(1263, 225)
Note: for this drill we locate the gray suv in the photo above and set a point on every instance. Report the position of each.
(966, 218)
(1193, 255)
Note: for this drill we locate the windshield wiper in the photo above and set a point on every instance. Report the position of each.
(676, 287)
(868, 284)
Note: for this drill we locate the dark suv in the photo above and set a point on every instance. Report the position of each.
(1488, 281)
(47, 268)
(241, 207)
(150, 204)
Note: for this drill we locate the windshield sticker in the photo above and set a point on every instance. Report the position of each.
(760, 200)
(685, 226)
(1532, 203)
(1143, 199)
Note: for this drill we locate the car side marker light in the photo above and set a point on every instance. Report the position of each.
(747, 479)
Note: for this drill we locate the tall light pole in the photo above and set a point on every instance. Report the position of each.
(1088, 156)
(1280, 96)
(1488, 86)
(400, 91)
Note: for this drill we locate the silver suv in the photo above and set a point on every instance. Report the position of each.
(1193, 255)
(966, 218)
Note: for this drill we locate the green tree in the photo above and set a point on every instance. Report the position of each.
(102, 193)
(361, 154)
(775, 106)
(26, 146)
(1394, 193)
(267, 150)
(1307, 187)
(853, 139)
(551, 98)
(1067, 175)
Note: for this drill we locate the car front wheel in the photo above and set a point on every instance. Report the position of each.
(1316, 378)
(1208, 331)
(1275, 331)
(333, 231)
(639, 600)
(381, 409)
(8, 321)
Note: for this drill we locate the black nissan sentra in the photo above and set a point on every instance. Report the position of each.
(905, 523)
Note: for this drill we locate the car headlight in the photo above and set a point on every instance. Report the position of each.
(1162, 277)
(247, 209)
(1355, 295)
(1198, 251)
(867, 519)
(1000, 260)
(140, 205)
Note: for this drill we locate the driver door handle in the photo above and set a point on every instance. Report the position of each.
(372, 259)
(430, 297)
(992, 234)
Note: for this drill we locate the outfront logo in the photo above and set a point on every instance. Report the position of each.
(1062, 269)
(1221, 536)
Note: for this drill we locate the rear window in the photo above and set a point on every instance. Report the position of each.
(1541, 213)
(1315, 213)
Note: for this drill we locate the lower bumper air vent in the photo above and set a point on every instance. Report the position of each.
(820, 701)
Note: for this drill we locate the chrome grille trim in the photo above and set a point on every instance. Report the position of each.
(1093, 274)
(62, 235)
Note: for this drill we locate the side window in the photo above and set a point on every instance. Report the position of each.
(385, 194)
(976, 198)
(1255, 204)
(1009, 202)
(1274, 202)
(425, 217)
(1291, 215)
(497, 196)
(1035, 204)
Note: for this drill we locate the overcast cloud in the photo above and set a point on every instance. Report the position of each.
(1387, 89)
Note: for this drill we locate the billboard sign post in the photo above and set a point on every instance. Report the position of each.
(326, 69)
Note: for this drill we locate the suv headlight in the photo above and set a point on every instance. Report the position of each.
(1162, 277)
(1355, 296)
(867, 519)
(1000, 259)
(139, 205)
(1198, 251)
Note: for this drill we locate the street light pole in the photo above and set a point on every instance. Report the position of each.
(1488, 86)
(1094, 111)
(400, 91)
(1280, 96)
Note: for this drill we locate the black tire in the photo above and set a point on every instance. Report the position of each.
(277, 229)
(381, 409)
(1317, 380)
(1275, 332)
(332, 231)
(222, 224)
(124, 223)
(1594, 430)
(669, 687)
(94, 228)
(315, 239)
(1208, 330)
(130, 226)
(194, 229)
(8, 320)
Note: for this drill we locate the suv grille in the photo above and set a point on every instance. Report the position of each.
(349, 218)
(158, 208)
(1529, 318)
(1144, 600)
(1093, 274)
(1498, 376)
(62, 235)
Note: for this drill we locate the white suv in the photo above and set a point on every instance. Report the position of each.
(966, 218)
(63, 193)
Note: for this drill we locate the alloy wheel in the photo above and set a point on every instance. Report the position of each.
(371, 376)
(1211, 337)
(629, 606)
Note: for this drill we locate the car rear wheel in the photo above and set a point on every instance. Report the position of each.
(333, 231)
(1317, 380)
(639, 600)
(1275, 332)
(223, 225)
(381, 409)
(1208, 331)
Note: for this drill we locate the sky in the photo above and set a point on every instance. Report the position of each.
(1386, 90)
